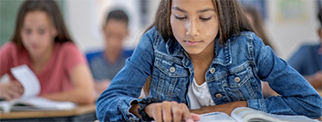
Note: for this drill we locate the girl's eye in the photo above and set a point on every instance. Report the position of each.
(27, 31)
(180, 18)
(205, 19)
(41, 31)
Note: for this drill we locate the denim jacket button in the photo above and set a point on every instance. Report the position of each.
(212, 70)
(218, 95)
(237, 79)
(172, 69)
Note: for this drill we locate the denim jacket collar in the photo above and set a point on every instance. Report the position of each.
(175, 49)
(223, 56)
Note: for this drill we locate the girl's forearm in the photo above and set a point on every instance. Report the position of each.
(79, 96)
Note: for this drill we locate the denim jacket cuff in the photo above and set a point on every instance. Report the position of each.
(124, 106)
(258, 104)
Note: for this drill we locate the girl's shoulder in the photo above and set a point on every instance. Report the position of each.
(66, 46)
(9, 46)
(68, 54)
(13, 52)
(152, 36)
(245, 34)
(152, 32)
(245, 37)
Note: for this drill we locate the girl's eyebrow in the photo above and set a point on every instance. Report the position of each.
(179, 9)
(200, 11)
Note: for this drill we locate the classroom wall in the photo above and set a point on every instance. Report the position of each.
(84, 20)
(299, 24)
(286, 34)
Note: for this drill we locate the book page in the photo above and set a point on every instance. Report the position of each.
(39, 103)
(216, 117)
(245, 114)
(292, 118)
(28, 80)
(4, 106)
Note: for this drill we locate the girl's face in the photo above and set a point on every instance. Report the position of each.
(115, 33)
(37, 33)
(194, 24)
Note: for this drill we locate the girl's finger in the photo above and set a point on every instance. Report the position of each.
(177, 113)
(195, 117)
(186, 115)
(157, 112)
(166, 111)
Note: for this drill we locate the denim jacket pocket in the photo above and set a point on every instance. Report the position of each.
(241, 83)
(168, 78)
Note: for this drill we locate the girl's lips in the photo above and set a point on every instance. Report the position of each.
(192, 43)
(34, 46)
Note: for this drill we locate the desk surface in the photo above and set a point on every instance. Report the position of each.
(83, 109)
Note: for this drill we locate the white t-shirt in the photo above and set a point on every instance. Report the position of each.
(199, 96)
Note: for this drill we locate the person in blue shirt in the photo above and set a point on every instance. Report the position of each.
(202, 57)
(106, 64)
(307, 60)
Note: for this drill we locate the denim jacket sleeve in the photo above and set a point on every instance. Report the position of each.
(297, 96)
(114, 103)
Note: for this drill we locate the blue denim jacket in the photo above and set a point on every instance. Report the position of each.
(234, 75)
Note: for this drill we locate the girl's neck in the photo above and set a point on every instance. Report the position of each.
(201, 63)
(202, 59)
(39, 62)
(205, 57)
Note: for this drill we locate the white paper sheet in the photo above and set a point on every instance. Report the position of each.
(28, 80)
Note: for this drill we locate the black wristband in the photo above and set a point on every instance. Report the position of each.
(143, 103)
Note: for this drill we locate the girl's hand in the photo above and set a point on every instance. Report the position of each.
(170, 111)
(101, 86)
(317, 80)
(11, 90)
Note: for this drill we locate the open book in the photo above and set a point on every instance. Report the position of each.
(245, 114)
(30, 101)
(34, 104)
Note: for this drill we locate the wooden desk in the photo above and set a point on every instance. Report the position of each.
(81, 113)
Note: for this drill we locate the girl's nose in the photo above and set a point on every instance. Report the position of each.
(192, 28)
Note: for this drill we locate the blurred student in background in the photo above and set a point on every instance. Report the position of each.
(307, 60)
(257, 22)
(42, 42)
(106, 64)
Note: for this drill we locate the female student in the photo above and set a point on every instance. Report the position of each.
(201, 55)
(41, 42)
